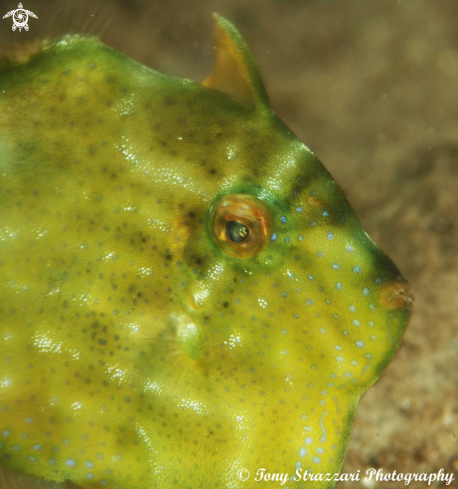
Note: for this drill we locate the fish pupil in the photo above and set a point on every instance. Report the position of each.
(236, 231)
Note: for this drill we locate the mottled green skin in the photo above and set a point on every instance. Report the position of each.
(133, 351)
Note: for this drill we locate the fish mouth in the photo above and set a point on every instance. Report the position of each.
(395, 294)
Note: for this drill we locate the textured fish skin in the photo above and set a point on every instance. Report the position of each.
(136, 352)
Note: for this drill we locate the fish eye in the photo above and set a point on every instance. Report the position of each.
(240, 225)
(236, 231)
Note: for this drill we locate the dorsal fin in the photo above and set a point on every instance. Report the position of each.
(234, 71)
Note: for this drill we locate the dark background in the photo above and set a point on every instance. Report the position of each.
(371, 87)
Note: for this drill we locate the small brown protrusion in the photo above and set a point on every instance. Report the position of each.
(230, 73)
(21, 53)
(395, 294)
(234, 71)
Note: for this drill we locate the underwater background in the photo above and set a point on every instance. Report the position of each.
(371, 88)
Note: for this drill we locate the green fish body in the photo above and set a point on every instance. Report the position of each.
(186, 296)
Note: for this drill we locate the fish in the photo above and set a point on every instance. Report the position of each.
(187, 298)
